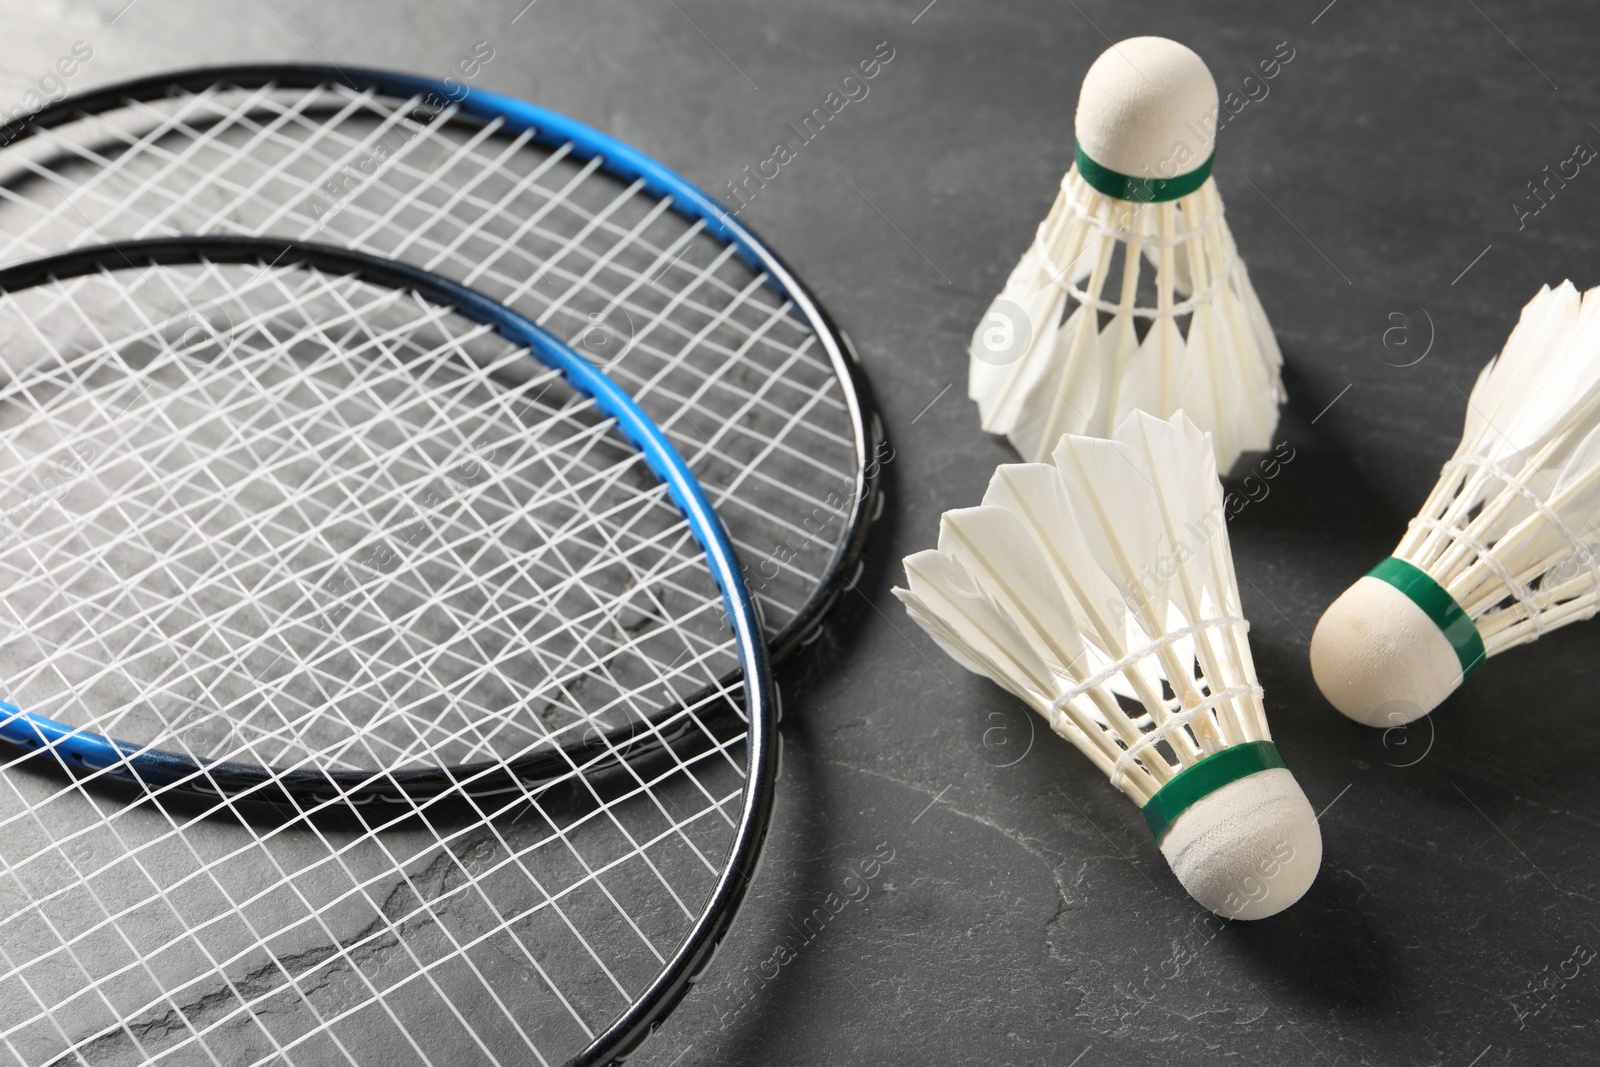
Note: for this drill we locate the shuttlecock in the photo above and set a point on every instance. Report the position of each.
(1503, 550)
(1087, 327)
(1100, 590)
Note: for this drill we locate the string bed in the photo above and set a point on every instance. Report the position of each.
(296, 520)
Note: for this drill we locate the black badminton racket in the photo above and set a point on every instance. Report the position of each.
(342, 607)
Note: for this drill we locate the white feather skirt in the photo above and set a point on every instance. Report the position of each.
(1118, 307)
(1512, 528)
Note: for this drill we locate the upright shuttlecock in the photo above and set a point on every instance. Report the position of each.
(1136, 240)
(1505, 548)
(1099, 589)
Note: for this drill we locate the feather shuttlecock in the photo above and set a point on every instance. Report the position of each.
(1132, 295)
(1099, 589)
(1505, 547)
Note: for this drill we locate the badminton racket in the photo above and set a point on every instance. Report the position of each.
(717, 340)
(342, 606)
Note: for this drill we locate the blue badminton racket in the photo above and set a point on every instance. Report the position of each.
(718, 341)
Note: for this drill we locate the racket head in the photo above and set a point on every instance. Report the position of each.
(621, 816)
(715, 337)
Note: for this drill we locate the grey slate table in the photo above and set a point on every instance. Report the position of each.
(1018, 912)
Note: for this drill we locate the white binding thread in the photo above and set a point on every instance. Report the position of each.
(1063, 279)
(1056, 713)
(1524, 595)
(1173, 722)
(1182, 307)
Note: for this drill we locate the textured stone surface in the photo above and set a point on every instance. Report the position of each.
(1024, 916)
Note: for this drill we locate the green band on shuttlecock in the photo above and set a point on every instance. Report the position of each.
(1140, 190)
(1439, 606)
(1206, 777)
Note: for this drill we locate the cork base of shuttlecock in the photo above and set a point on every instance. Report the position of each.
(1379, 658)
(1148, 109)
(1248, 850)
